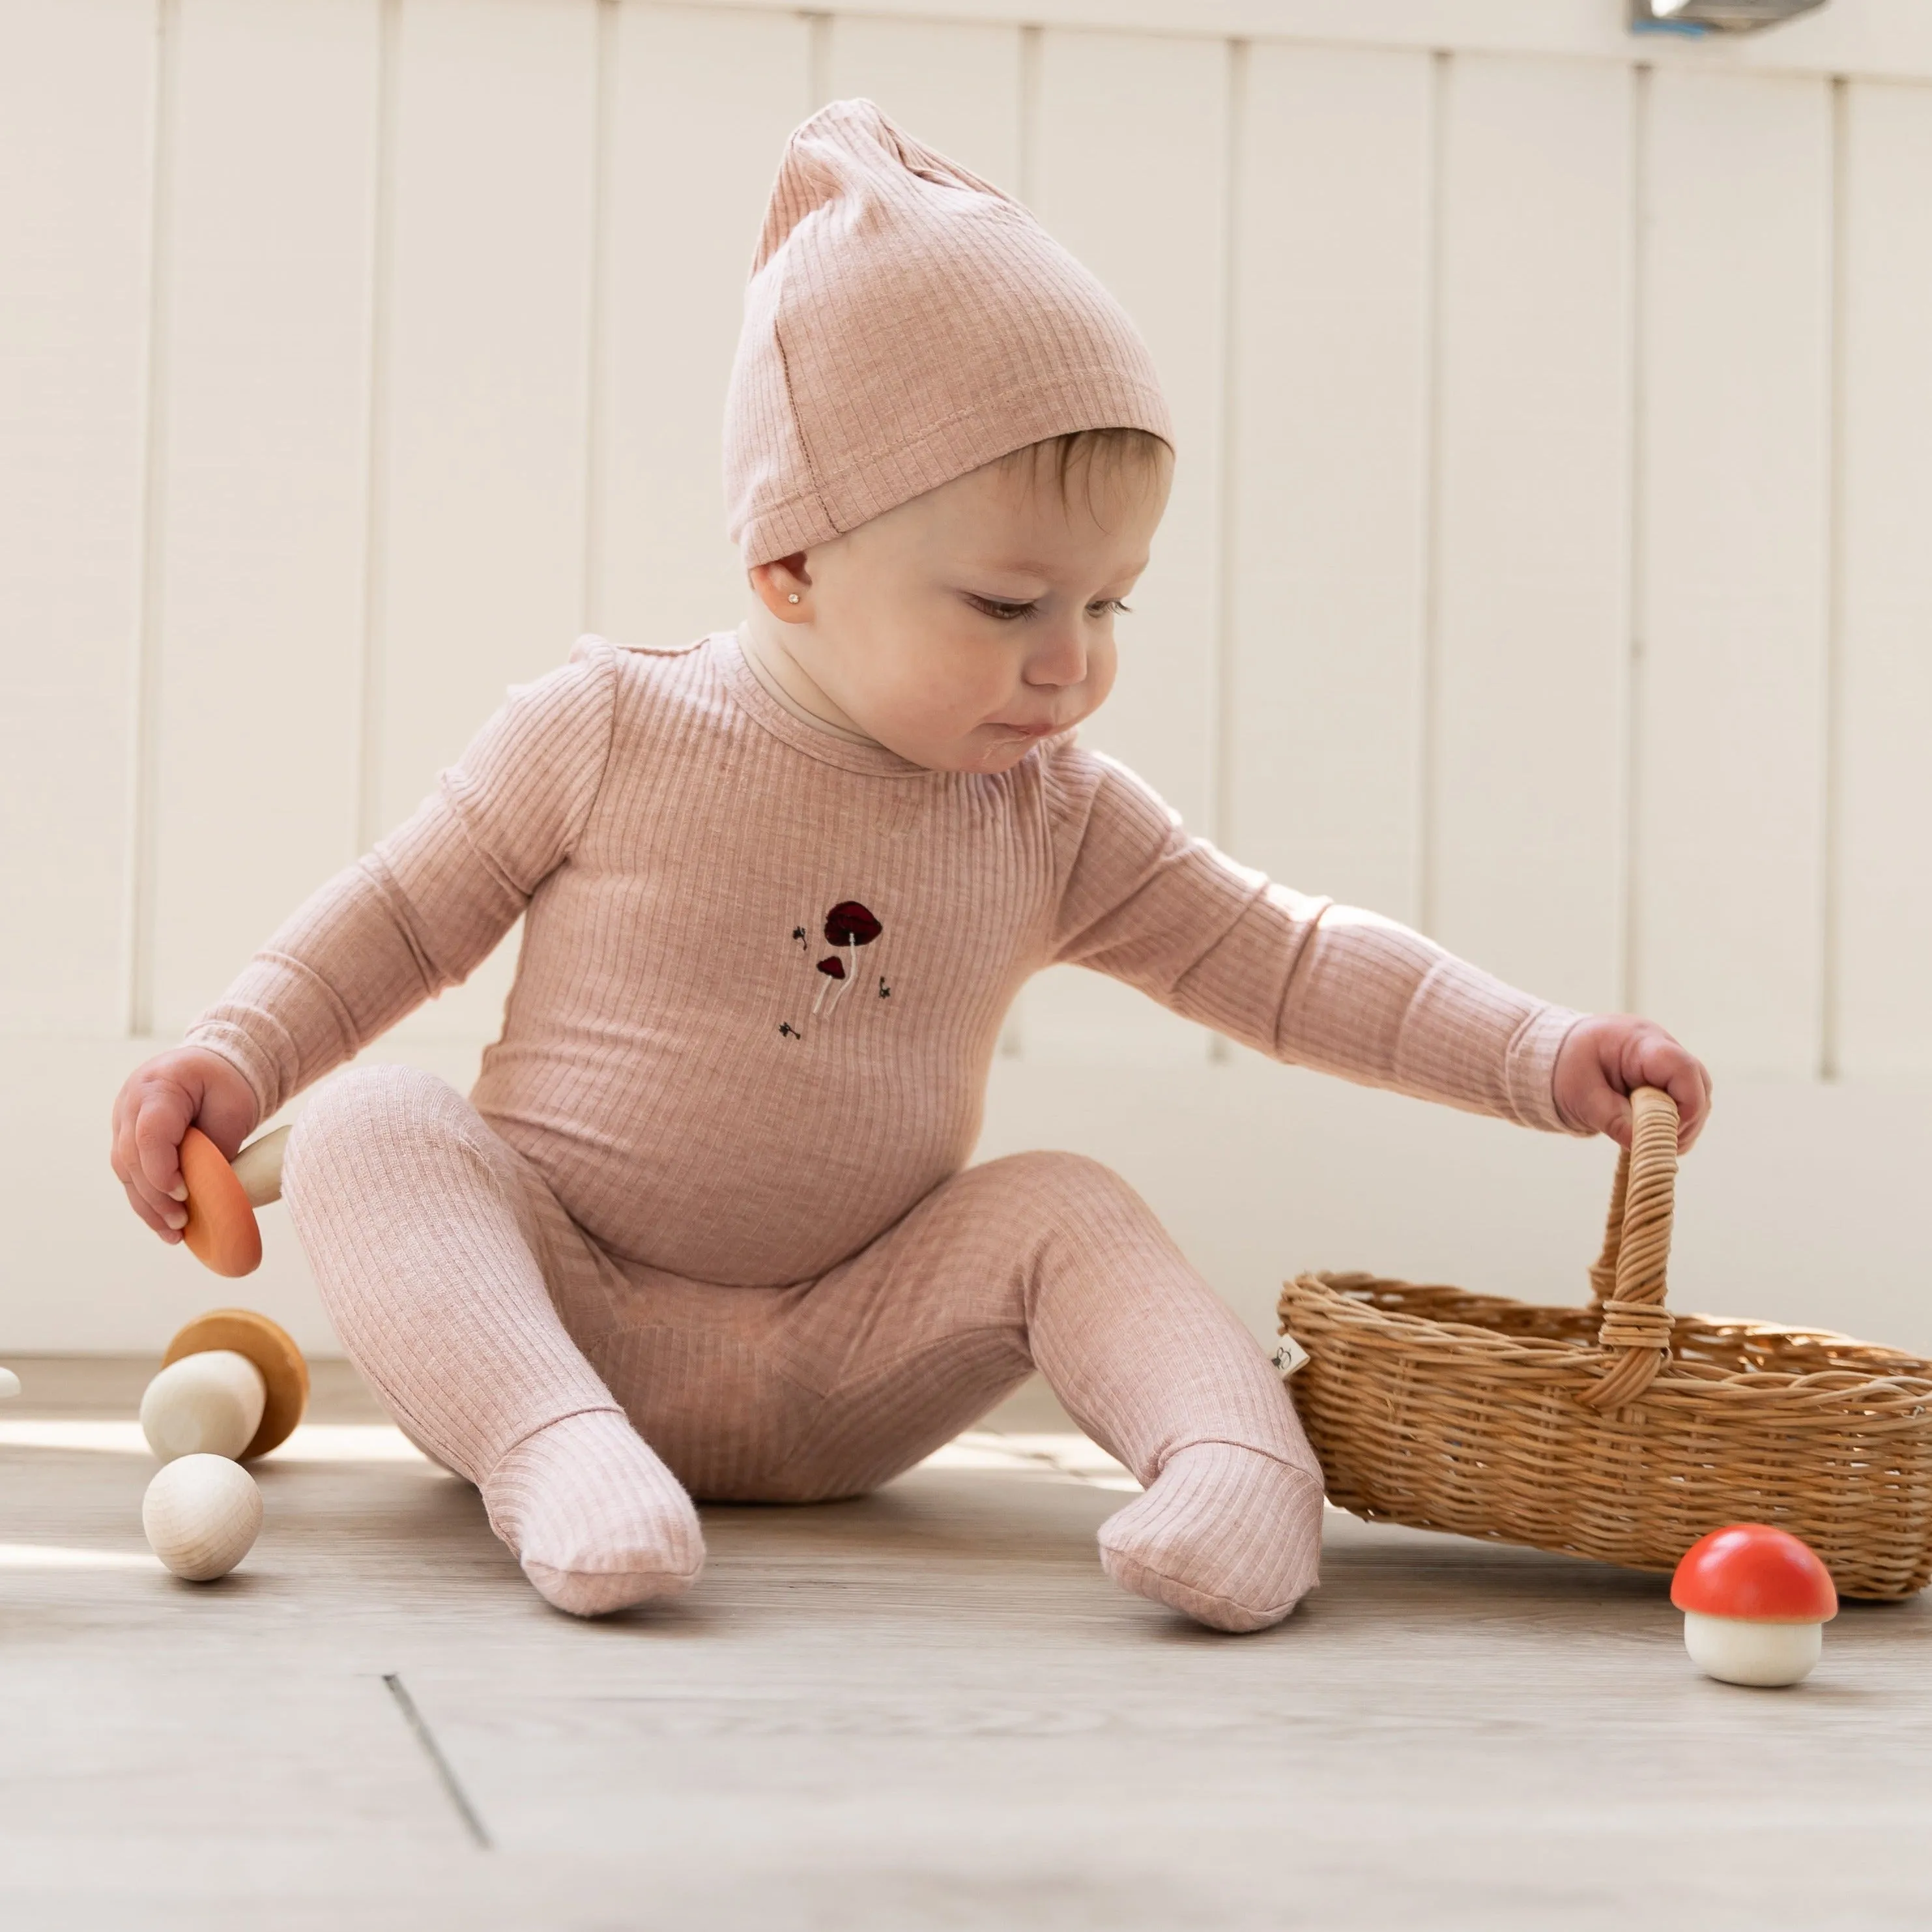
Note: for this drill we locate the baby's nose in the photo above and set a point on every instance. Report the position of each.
(1060, 659)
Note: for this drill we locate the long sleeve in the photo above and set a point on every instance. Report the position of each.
(1299, 978)
(428, 903)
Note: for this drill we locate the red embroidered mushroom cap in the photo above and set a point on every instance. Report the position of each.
(1756, 1574)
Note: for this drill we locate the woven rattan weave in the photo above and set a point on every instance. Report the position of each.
(1618, 1430)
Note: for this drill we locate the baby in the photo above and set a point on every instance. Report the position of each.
(705, 1226)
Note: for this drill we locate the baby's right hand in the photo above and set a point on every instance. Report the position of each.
(188, 1086)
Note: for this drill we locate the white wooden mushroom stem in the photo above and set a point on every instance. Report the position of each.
(259, 1167)
(209, 1404)
(1740, 1650)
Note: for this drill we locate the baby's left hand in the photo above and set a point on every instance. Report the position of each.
(1606, 1055)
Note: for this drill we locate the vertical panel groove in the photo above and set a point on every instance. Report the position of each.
(1878, 681)
(375, 549)
(1221, 820)
(1628, 992)
(144, 671)
(818, 58)
(1423, 897)
(1831, 725)
(1029, 113)
(595, 400)
(1222, 814)
(1736, 486)
(1013, 1033)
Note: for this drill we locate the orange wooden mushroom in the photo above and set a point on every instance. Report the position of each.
(222, 1230)
(1755, 1602)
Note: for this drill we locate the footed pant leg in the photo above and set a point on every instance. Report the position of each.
(1051, 1260)
(436, 1246)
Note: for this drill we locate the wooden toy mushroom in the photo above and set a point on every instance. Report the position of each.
(1755, 1602)
(201, 1514)
(222, 1230)
(10, 1383)
(233, 1384)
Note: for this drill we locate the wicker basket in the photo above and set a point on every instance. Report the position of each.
(1618, 1431)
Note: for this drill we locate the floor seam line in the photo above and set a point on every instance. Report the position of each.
(414, 1718)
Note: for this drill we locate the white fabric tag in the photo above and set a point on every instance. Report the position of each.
(1289, 1356)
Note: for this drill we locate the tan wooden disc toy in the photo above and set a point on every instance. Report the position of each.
(284, 1375)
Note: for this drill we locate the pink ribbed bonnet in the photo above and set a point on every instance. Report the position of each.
(906, 322)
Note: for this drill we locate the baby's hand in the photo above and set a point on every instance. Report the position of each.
(158, 1102)
(1607, 1055)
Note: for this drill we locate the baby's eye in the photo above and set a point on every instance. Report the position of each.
(1005, 612)
(1110, 607)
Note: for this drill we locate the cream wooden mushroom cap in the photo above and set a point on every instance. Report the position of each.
(271, 1348)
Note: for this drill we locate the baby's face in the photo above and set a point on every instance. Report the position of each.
(965, 625)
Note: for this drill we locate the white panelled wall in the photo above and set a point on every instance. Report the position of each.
(1547, 563)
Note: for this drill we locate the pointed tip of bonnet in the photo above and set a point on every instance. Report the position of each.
(846, 144)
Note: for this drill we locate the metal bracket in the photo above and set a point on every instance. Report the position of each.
(1695, 18)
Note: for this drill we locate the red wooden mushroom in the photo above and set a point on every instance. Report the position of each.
(1755, 1602)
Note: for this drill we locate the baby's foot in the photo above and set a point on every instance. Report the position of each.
(596, 1520)
(1231, 1536)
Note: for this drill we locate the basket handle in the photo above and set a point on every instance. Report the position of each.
(1629, 1277)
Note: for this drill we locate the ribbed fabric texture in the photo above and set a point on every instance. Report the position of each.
(599, 1523)
(505, 1340)
(710, 1178)
(679, 844)
(906, 322)
(434, 1251)
(1228, 1534)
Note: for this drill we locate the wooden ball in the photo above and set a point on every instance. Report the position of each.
(201, 1514)
(271, 1348)
(222, 1230)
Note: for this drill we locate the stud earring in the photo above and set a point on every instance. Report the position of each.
(791, 596)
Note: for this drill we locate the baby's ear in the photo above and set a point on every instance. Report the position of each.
(783, 586)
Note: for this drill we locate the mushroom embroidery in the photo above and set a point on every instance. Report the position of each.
(851, 925)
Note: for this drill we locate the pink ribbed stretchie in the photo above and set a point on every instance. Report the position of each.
(713, 1176)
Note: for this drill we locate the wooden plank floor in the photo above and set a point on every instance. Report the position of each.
(929, 1708)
